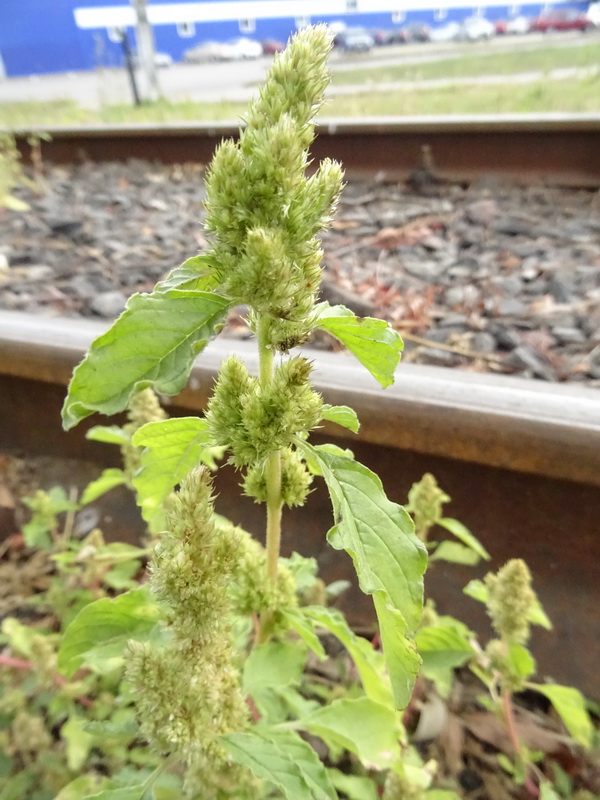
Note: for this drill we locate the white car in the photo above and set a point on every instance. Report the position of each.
(474, 29)
(163, 59)
(160, 60)
(207, 51)
(445, 33)
(518, 25)
(593, 14)
(244, 48)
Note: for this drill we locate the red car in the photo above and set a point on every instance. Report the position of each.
(567, 20)
(272, 46)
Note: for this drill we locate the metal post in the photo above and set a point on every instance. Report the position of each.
(130, 67)
(145, 51)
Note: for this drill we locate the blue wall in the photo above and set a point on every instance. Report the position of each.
(40, 36)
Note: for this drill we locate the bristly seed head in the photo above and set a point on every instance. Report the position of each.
(263, 210)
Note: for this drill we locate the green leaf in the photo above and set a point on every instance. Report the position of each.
(521, 660)
(108, 729)
(111, 434)
(461, 532)
(547, 792)
(120, 553)
(173, 448)
(282, 758)
(18, 785)
(80, 788)
(153, 343)
(305, 628)
(136, 792)
(478, 591)
(197, 274)
(304, 570)
(312, 463)
(355, 787)
(389, 559)
(6, 765)
(443, 647)
(121, 576)
(20, 637)
(79, 742)
(107, 621)
(272, 665)
(455, 553)
(366, 728)
(13, 203)
(369, 663)
(109, 478)
(341, 415)
(569, 704)
(374, 343)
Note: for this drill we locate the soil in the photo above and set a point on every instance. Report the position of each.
(484, 277)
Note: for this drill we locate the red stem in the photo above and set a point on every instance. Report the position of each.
(21, 663)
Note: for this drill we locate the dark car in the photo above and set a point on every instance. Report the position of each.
(357, 39)
(416, 32)
(385, 37)
(567, 20)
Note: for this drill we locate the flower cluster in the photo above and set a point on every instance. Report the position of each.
(187, 690)
(511, 601)
(425, 502)
(264, 212)
(253, 421)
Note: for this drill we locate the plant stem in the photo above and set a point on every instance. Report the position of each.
(273, 467)
(509, 718)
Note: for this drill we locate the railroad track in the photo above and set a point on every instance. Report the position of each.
(520, 459)
(561, 149)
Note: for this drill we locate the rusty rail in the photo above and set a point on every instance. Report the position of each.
(561, 149)
(544, 429)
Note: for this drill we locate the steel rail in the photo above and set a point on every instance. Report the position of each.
(520, 459)
(544, 429)
(561, 149)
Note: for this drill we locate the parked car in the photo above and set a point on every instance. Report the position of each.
(272, 46)
(445, 33)
(241, 48)
(207, 51)
(383, 37)
(593, 14)
(356, 39)
(394, 36)
(160, 60)
(565, 20)
(416, 32)
(516, 25)
(475, 29)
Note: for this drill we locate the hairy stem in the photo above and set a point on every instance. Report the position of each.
(509, 718)
(273, 469)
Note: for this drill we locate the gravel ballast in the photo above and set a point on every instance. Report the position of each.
(485, 277)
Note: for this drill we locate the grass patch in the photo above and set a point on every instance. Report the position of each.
(569, 95)
(487, 62)
(33, 113)
(20, 116)
(165, 111)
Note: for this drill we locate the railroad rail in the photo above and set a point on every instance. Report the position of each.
(521, 460)
(561, 149)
